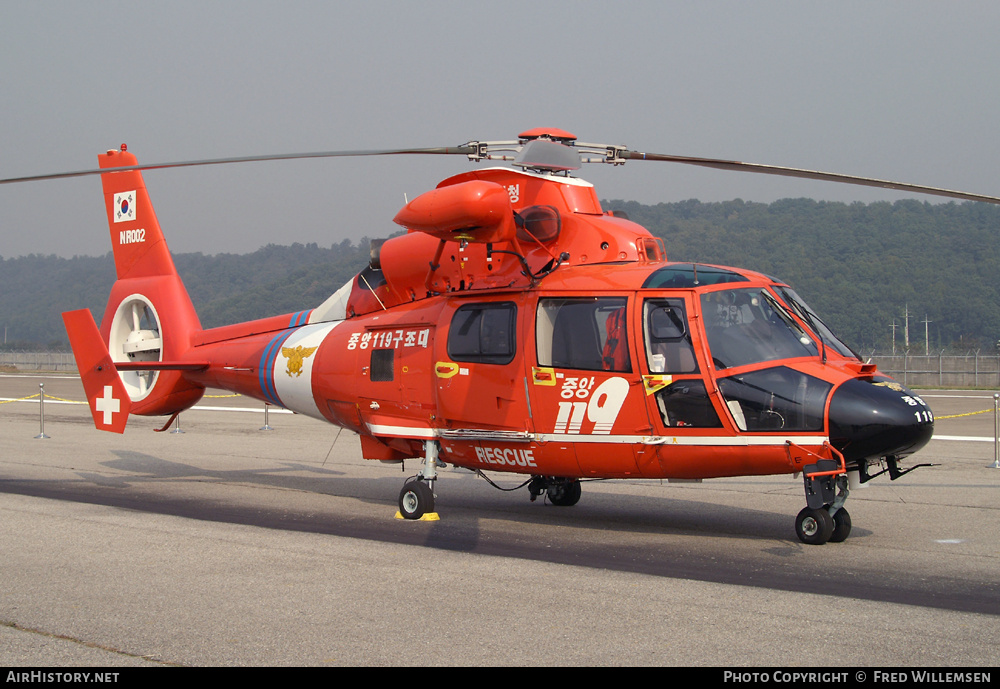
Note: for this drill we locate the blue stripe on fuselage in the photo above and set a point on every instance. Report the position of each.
(265, 374)
(299, 318)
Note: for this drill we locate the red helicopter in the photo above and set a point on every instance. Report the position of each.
(518, 327)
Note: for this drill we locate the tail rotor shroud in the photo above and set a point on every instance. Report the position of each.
(135, 336)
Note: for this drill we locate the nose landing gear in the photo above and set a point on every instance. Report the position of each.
(817, 526)
(824, 519)
(814, 526)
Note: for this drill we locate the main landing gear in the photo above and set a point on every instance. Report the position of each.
(562, 492)
(416, 499)
(825, 518)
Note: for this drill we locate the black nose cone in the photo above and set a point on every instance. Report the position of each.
(878, 418)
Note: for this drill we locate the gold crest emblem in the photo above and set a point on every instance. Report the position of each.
(296, 356)
(891, 385)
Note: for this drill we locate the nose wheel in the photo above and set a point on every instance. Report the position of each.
(825, 519)
(814, 526)
(841, 526)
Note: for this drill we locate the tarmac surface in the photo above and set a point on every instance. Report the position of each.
(226, 545)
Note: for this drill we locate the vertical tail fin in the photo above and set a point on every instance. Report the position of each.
(149, 317)
(136, 239)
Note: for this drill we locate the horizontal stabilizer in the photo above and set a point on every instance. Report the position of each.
(106, 395)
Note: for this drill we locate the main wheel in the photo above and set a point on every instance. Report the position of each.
(415, 500)
(841, 526)
(814, 526)
(564, 493)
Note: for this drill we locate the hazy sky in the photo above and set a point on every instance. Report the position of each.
(897, 90)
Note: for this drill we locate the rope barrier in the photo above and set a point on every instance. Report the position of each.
(63, 399)
(53, 397)
(955, 416)
(20, 399)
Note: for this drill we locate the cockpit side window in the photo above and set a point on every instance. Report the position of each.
(686, 403)
(668, 341)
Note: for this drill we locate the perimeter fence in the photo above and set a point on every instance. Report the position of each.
(37, 361)
(972, 370)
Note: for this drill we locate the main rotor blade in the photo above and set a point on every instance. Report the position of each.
(809, 174)
(446, 150)
(474, 148)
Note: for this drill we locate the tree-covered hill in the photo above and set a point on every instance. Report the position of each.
(860, 266)
(225, 288)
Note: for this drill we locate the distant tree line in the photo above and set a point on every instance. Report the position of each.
(225, 288)
(860, 266)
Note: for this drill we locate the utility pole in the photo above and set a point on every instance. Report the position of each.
(894, 337)
(927, 342)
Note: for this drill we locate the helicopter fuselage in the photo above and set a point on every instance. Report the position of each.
(518, 327)
(696, 381)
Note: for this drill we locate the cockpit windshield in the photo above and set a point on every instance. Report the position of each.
(803, 311)
(749, 326)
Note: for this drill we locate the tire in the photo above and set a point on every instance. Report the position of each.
(841, 526)
(564, 493)
(415, 500)
(814, 526)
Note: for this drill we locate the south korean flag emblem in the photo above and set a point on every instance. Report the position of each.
(124, 210)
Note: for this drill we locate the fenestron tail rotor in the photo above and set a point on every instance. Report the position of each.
(135, 337)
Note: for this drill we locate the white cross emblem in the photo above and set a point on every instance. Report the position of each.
(107, 404)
